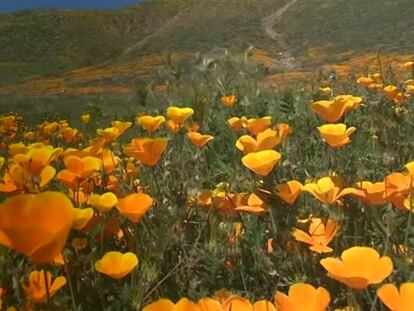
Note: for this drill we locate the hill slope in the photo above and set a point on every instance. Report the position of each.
(114, 48)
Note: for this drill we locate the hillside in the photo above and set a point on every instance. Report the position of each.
(73, 52)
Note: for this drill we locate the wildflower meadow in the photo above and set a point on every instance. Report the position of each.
(215, 194)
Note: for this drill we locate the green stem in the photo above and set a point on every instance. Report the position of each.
(72, 293)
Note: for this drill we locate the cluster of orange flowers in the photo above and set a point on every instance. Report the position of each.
(101, 186)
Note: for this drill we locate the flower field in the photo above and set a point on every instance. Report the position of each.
(215, 195)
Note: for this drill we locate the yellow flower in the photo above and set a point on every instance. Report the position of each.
(237, 124)
(289, 191)
(37, 290)
(146, 150)
(303, 297)
(262, 162)
(326, 190)
(134, 206)
(358, 267)
(85, 118)
(150, 123)
(255, 126)
(116, 265)
(81, 217)
(319, 235)
(266, 140)
(397, 300)
(198, 139)
(36, 225)
(336, 135)
(228, 101)
(333, 110)
(179, 115)
(104, 202)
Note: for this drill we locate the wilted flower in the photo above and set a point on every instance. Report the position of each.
(303, 297)
(320, 234)
(358, 267)
(37, 290)
(36, 225)
(255, 205)
(336, 135)
(397, 300)
(262, 162)
(116, 265)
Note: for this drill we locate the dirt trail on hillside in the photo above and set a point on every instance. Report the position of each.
(169, 23)
(269, 22)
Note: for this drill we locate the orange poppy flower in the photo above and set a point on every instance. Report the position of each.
(36, 225)
(160, 305)
(283, 130)
(262, 162)
(266, 140)
(78, 169)
(358, 267)
(184, 304)
(37, 290)
(228, 101)
(81, 217)
(289, 191)
(104, 202)
(117, 265)
(237, 124)
(255, 126)
(146, 150)
(303, 297)
(319, 235)
(179, 115)
(237, 303)
(150, 123)
(135, 206)
(264, 305)
(208, 304)
(36, 159)
(336, 135)
(370, 193)
(325, 90)
(326, 190)
(255, 205)
(397, 300)
(71, 135)
(333, 110)
(198, 139)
